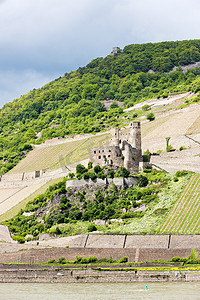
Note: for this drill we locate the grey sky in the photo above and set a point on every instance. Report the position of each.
(42, 39)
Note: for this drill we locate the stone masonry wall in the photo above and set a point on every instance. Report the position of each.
(88, 182)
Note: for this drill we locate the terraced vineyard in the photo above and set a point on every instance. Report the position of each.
(185, 215)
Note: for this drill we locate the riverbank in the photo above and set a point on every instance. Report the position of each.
(93, 274)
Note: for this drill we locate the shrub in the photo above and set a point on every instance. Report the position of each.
(89, 165)
(181, 173)
(97, 169)
(123, 172)
(150, 117)
(80, 169)
(143, 181)
(134, 115)
(51, 261)
(19, 239)
(123, 260)
(182, 148)
(91, 227)
(71, 175)
(145, 107)
(101, 175)
(111, 174)
(78, 260)
(86, 175)
(114, 105)
(92, 259)
(62, 260)
(193, 255)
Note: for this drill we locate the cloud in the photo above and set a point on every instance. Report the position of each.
(13, 84)
(57, 36)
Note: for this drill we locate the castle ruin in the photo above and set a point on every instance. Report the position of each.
(124, 150)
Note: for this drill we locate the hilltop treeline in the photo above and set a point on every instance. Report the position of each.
(72, 104)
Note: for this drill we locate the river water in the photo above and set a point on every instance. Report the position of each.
(98, 291)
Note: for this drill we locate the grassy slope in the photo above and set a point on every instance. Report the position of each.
(55, 156)
(185, 215)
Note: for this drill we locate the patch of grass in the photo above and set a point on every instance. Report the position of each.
(185, 215)
(44, 157)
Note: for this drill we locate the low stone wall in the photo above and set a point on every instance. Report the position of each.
(88, 182)
(92, 275)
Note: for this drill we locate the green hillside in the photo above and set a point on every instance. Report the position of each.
(72, 104)
(139, 209)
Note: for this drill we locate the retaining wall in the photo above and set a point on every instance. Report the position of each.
(137, 255)
(88, 182)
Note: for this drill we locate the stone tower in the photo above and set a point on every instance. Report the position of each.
(135, 138)
(114, 137)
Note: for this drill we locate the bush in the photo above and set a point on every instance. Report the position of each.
(150, 117)
(175, 179)
(92, 259)
(86, 175)
(92, 175)
(193, 255)
(182, 148)
(71, 175)
(91, 227)
(123, 260)
(80, 169)
(51, 261)
(62, 260)
(145, 107)
(19, 239)
(97, 169)
(123, 172)
(143, 181)
(181, 173)
(134, 115)
(89, 165)
(101, 175)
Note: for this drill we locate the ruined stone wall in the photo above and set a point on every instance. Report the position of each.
(106, 156)
(130, 182)
(124, 151)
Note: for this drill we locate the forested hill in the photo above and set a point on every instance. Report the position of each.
(71, 104)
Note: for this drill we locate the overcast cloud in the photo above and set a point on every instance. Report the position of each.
(40, 40)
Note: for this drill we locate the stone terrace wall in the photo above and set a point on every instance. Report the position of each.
(105, 241)
(162, 254)
(185, 241)
(137, 248)
(147, 241)
(137, 255)
(117, 181)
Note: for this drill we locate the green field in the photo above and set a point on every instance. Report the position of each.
(184, 218)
